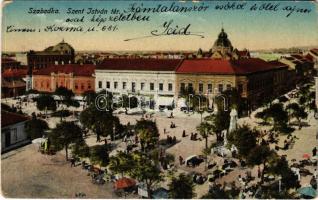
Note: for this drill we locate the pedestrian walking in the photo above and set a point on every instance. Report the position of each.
(314, 151)
(180, 160)
(72, 162)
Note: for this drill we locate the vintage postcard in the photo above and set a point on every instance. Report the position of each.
(187, 99)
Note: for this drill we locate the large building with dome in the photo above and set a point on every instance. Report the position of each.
(221, 68)
(59, 54)
(222, 44)
(223, 49)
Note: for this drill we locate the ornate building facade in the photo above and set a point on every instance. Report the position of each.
(223, 49)
(75, 77)
(152, 78)
(254, 79)
(224, 68)
(59, 54)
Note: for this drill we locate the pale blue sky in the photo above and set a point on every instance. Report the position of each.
(246, 29)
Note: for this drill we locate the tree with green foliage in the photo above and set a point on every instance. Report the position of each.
(64, 94)
(80, 148)
(65, 134)
(181, 187)
(296, 111)
(306, 98)
(258, 155)
(138, 165)
(121, 163)
(148, 133)
(277, 114)
(98, 154)
(219, 121)
(217, 191)
(129, 102)
(45, 102)
(89, 96)
(66, 97)
(279, 166)
(244, 139)
(205, 129)
(145, 170)
(35, 128)
(264, 116)
(102, 123)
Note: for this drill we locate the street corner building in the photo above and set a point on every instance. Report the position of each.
(221, 68)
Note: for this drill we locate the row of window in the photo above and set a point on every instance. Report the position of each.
(41, 84)
(133, 88)
(220, 87)
(82, 85)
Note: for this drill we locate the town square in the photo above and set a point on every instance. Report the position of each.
(183, 114)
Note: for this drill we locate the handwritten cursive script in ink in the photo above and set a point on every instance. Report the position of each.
(169, 29)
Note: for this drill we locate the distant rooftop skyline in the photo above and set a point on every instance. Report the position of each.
(245, 29)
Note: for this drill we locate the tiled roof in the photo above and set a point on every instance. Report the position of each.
(9, 118)
(222, 66)
(297, 56)
(303, 58)
(76, 69)
(10, 73)
(309, 57)
(277, 63)
(314, 51)
(140, 64)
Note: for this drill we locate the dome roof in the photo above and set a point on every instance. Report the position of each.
(222, 41)
(60, 48)
(63, 47)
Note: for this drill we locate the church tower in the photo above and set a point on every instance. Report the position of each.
(222, 46)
